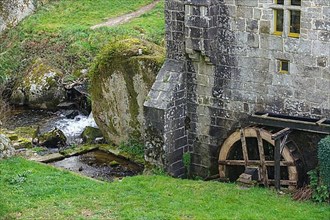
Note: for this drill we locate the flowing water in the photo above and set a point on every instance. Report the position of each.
(47, 121)
(72, 128)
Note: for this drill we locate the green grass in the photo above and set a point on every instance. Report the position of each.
(60, 34)
(35, 191)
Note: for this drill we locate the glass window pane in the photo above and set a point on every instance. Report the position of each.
(279, 20)
(296, 2)
(295, 22)
(284, 66)
(280, 2)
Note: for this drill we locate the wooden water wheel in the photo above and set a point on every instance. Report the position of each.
(252, 148)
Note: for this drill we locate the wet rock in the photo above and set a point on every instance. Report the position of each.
(114, 163)
(52, 139)
(121, 80)
(39, 88)
(99, 140)
(71, 114)
(90, 134)
(67, 105)
(6, 148)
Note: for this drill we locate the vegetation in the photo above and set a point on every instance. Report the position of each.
(320, 192)
(133, 149)
(60, 34)
(324, 160)
(34, 191)
(320, 177)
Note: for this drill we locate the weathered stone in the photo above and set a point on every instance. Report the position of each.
(121, 79)
(40, 87)
(90, 134)
(6, 148)
(13, 11)
(52, 139)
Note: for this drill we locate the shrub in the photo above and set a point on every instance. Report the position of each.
(320, 192)
(324, 160)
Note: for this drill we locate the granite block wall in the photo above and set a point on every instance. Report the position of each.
(231, 69)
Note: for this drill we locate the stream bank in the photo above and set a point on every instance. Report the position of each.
(103, 162)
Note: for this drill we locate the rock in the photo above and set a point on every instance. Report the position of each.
(114, 163)
(121, 79)
(90, 134)
(67, 105)
(52, 139)
(39, 88)
(99, 140)
(6, 148)
(71, 114)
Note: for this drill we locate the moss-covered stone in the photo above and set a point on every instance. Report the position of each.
(121, 78)
(6, 148)
(39, 88)
(52, 139)
(90, 134)
(21, 137)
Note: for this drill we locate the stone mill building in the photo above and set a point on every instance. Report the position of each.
(236, 73)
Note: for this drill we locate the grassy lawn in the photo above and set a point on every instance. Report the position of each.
(60, 34)
(34, 191)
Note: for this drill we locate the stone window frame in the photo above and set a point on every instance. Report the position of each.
(279, 64)
(287, 9)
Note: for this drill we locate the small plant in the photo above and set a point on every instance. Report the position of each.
(19, 178)
(133, 147)
(158, 171)
(320, 191)
(186, 158)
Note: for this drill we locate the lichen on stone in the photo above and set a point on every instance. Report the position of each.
(121, 78)
(40, 87)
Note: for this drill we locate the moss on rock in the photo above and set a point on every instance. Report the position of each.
(39, 88)
(121, 78)
(90, 134)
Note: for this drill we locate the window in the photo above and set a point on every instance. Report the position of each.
(294, 23)
(287, 17)
(295, 2)
(283, 66)
(278, 21)
(280, 2)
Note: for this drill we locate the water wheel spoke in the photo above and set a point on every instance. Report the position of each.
(264, 174)
(244, 148)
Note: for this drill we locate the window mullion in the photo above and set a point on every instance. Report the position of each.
(286, 22)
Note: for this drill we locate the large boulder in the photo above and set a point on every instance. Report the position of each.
(6, 148)
(39, 88)
(121, 78)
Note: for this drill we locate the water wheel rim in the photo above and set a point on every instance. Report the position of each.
(251, 132)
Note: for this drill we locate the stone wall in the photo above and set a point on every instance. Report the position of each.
(13, 11)
(231, 61)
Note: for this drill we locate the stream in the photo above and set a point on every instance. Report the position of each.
(100, 165)
(96, 164)
(47, 121)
